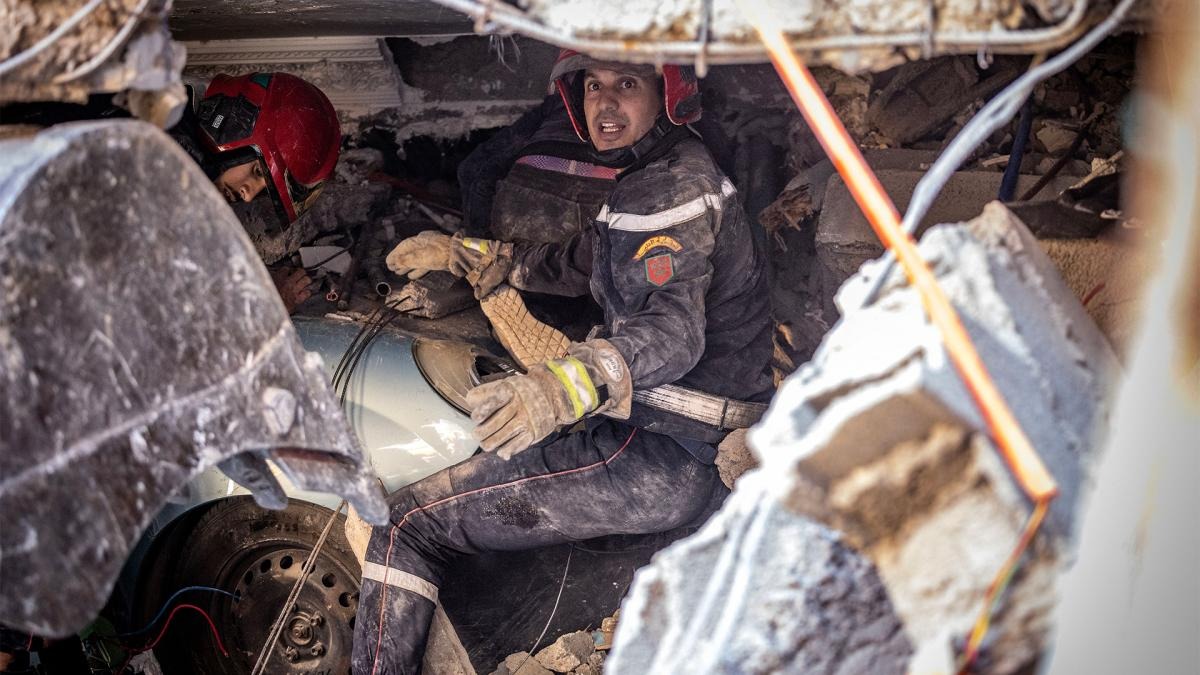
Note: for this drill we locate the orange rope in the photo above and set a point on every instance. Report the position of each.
(1016, 449)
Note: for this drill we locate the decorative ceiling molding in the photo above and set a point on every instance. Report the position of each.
(356, 73)
(283, 50)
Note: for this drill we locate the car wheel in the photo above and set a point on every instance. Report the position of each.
(257, 555)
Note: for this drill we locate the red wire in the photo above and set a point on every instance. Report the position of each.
(163, 631)
(1092, 294)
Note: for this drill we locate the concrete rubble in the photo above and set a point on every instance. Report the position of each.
(572, 653)
(819, 237)
(878, 439)
(759, 589)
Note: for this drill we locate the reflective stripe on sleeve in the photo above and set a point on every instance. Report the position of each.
(631, 222)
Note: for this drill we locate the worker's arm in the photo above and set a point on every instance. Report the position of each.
(557, 269)
(660, 236)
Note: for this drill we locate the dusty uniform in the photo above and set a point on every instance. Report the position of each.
(534, 182)
(682, 281)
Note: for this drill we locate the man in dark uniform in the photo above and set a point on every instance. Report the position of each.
(680, 359)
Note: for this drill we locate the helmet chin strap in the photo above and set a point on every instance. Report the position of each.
(661, 137)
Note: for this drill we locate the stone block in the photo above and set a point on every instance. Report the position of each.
(567, 653)
(758, 590)
(878, 437)
(845, 240)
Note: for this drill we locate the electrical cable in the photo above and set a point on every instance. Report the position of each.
(20, 59)
(493, 16)
(553, 610)
(342, 375)
(341, 250)
(167, 604)
(1012, 172)
(154, 643)
(1001, 581)
(998, 112)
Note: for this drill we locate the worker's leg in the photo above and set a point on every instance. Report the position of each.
(608, 479)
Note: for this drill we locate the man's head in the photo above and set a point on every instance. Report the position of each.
(620, 105)
(614, 104)
(273, 132)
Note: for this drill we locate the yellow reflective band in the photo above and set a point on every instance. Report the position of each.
(593, 398)
(474, 244)
(565, 379)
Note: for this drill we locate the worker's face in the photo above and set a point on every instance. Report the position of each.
(242, 182)
(620, 108)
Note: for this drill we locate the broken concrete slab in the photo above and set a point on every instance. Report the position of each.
(567, 653)
(845, 239)
(758, 590)
(878, 437)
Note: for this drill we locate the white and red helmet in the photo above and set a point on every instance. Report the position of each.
(681, 90)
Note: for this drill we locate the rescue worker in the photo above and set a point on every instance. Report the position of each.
(682, 281)
(265, 132)
(251, 134)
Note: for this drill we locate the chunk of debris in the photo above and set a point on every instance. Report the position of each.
(567, 653)
(520, 663)
(759, 590)
(1055, 137)
(876, 436)
(734, 458)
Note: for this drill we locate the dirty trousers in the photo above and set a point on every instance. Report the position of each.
(609, 478)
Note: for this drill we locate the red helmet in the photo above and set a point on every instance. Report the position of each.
(681, 90)
(286, 121)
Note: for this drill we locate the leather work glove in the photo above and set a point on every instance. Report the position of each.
(482, 262)
(516, 412)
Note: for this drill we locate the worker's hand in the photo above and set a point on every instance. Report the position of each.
(516, 412)
(293, 284)
(428, 251)
(482, 262)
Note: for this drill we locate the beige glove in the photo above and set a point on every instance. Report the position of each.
(482, 262)
(514, 413)
(428, 251)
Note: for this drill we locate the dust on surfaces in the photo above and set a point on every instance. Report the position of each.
(514, 511)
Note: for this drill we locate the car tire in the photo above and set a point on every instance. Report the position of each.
(257, 554)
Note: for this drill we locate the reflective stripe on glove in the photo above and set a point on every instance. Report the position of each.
(483, 262)
(514, 413)
(518, 411)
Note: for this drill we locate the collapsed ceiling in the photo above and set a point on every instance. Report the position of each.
(236, 19)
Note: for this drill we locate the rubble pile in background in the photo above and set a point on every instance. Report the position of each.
(877, 438)
(902, 118)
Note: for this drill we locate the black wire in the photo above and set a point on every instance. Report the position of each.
(343, 249)
(561, 585)
(348, 364)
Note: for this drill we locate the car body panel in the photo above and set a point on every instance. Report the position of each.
(407, 428)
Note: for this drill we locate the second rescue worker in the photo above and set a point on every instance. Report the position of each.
(681, 277)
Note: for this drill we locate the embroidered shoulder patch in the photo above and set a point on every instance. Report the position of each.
(661, 241)
(660, 269)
